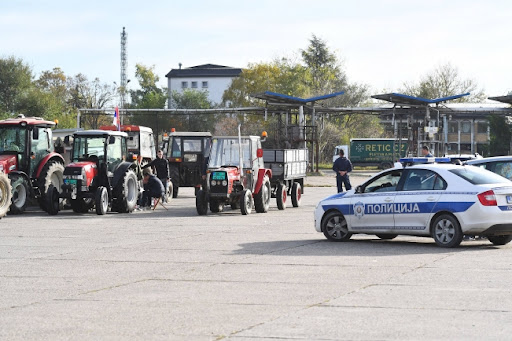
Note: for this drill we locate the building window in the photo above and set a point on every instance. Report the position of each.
(194, 85)
(465, 127)
(453, 127)
(184, 85)
(205, 85)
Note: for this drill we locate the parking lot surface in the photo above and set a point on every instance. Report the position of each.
(175, 275)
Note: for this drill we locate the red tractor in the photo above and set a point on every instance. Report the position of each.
(98, 175)
(236, 175)
(27, 160)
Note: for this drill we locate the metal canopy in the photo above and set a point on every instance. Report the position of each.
(275, 97)
(406, 100)
(502, 99)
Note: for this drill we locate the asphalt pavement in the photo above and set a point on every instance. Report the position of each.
(174, 275)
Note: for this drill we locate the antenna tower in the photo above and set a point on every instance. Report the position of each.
(122, 89)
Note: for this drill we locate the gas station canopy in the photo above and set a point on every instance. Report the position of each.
(274, 97)
(503, 99)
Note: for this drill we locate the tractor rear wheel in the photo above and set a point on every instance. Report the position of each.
(52, 174)
(20, 194)
(5, 194)
(262, 199)
(126, 193)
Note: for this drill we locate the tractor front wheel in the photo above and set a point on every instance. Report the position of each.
(5, 194)
(20, 194)
(201, 203)
(246, 202)
(52, 201)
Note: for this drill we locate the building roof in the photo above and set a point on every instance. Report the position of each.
(503, 99)
(401, 99)
(205, 70)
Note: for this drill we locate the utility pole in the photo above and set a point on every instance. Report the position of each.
(124, 82)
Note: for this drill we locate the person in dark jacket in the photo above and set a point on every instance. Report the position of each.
(153, 188)
(342, 166)
(161, 166)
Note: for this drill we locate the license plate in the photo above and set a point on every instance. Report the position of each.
(218, 176)
(509, 199)
(70, 181)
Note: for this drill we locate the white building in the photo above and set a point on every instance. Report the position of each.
(213, 78)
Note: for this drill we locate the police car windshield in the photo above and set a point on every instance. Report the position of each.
(478, 176)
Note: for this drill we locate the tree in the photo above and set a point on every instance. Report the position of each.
(192, 99)
(445, 81)
(15, 81)
(91, 95)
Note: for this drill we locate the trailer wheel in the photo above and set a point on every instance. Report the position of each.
(126, 193)
(246, 202)
(296, 194)
(52, 200)
(201, 203)
(262, 199)
(20, 194)
(101, 200)
(281, 196)
(5, 194)
(52, 174)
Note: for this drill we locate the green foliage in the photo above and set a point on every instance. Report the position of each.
(192, 99)
(445, 81)
(500, 136)
(15, 81)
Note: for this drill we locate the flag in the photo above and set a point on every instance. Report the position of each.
(117, 121)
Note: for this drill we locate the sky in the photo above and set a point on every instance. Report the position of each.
(383, 44)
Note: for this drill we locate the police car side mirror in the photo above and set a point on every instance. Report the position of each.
(359, 189)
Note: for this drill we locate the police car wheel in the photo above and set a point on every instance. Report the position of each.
(446, 231)
(334, 227)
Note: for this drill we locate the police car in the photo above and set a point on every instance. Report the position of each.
(422, 197)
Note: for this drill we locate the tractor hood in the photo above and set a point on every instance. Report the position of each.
(8, 163)
(83, 170)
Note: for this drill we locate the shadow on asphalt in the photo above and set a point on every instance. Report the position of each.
(358, 247)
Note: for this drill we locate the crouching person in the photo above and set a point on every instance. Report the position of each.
(153, 188)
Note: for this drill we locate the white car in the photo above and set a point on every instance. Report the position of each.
(441, 200)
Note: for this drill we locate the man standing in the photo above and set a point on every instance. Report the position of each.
(161, 166)
(426, 152)
(342, 166)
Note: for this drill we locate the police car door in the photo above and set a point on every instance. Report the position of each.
(414, 202)
(372, 204)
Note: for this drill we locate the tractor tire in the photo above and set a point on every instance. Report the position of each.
(201, 203)
(5, 194)
(246, 202)
(101, 200)
(20, 194)
(262, 199)
(281, 196)
(81, 205)
(296, 194)
(126, 193)
(52, 174)
(52, 201)
(174, 172)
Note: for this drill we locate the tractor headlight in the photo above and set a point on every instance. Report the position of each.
(224, 183)
(214, 183)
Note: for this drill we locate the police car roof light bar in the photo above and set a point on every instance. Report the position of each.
(413, 160)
